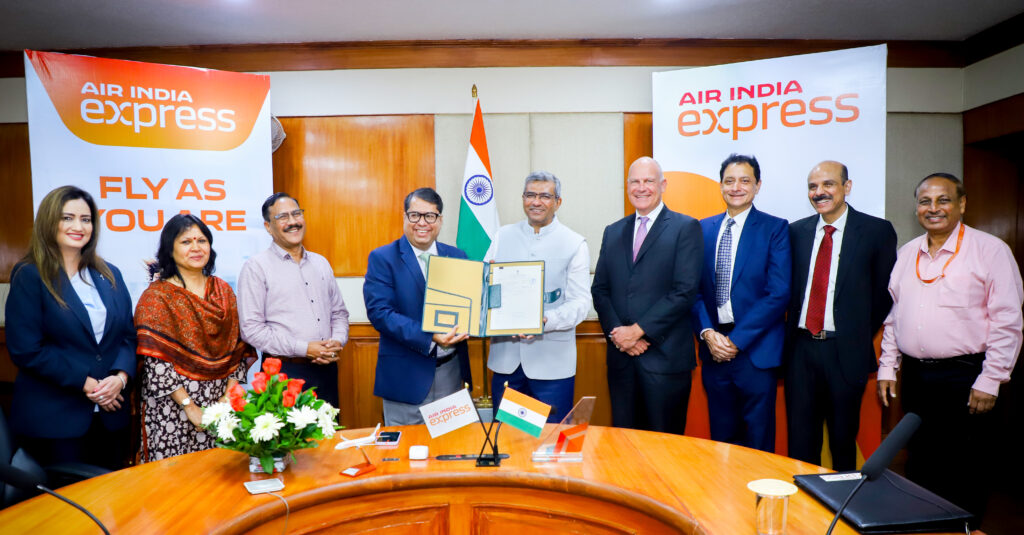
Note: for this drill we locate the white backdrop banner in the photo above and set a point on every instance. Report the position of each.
(149, 141)
(791, 113)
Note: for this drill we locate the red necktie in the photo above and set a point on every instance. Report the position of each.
(819, 283)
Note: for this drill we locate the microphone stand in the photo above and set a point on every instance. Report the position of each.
(845, 503)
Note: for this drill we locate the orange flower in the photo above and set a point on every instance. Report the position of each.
(238, 404)
(295, 385)
(282, 377)
(271, 365)
(259, 385)
(288, 398)
(236, 392)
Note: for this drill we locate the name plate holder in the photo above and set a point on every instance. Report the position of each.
(564, 443)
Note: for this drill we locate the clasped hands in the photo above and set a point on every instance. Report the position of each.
(105, 393)
(323, 351)
(721, 347)
(629, 339)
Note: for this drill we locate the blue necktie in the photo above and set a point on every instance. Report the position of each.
(723, 265)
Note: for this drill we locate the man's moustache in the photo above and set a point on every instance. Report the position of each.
(817, 198)
(293, 227)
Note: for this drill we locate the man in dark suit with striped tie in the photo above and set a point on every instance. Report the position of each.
(644, 286)
(842, 259)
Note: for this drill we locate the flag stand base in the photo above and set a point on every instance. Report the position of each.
(493, 458)
(489, 459)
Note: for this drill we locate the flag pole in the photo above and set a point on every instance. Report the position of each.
(484, 401)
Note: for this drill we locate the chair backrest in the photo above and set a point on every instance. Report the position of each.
(18, 458)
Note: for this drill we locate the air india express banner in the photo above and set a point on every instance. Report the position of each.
(791, 113)
(149, 141)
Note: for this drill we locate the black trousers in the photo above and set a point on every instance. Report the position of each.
(950, 453)
(99, 446)
(651, 401)
(323, 376)
(817, 393)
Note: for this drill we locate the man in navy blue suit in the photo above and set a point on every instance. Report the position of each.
(413, 367)
(740, 310)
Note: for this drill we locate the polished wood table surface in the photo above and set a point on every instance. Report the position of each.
(679, 484)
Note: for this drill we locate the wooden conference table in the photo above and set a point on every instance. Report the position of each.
(630, 482)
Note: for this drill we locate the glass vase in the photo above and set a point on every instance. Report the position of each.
(280, 463)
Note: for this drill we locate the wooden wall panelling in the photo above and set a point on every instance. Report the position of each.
(16, 183)
(592, 370)
(351, 175)
(508, 53)
(993, 40)
(991, 178)
(356, 371)
(637, 141)
(999, 118)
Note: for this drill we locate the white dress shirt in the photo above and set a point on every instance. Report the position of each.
(725, 311)
(837, 245)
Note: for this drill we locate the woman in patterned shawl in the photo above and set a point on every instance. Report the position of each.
(189, 341)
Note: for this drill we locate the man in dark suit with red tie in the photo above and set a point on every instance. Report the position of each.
(841, 264)
(644, 286)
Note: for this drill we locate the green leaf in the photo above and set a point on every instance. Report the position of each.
(267, 462)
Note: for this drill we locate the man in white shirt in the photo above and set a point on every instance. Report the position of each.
(544, 366)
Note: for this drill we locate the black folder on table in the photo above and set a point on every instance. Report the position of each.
(889, 504)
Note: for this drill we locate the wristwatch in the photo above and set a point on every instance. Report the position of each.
(186, 402)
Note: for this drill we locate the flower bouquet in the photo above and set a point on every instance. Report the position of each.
(273, 419)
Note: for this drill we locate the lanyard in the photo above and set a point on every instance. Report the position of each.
(917, 266)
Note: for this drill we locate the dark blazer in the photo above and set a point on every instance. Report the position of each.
(759, 287)
(55, 350)
(393, 292)
(656, 292)
(861, 300)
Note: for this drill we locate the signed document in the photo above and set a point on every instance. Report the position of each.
(483, 299)
(521, 289)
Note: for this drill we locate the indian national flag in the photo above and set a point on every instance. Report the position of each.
(522, 412)
(478, 213)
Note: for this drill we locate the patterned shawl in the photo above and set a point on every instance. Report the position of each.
(199, 336)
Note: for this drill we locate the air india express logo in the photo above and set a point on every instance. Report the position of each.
(134, 104)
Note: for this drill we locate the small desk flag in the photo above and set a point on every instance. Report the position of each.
(522, 412)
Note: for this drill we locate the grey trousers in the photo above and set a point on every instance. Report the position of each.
(447, 380)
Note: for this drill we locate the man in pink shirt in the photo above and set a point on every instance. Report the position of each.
(955, 331)
(289, 305)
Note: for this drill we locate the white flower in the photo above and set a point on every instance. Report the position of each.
(327, 416)
(216, 412)
(301, 417)
(226, 427)
(265, 427)
(327, 410)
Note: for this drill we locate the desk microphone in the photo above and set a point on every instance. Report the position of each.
(27, 482)
(876, 465)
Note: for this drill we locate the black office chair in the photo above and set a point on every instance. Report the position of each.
(55, 476)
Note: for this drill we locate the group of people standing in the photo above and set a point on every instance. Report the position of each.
(763, 298)
(78, 346)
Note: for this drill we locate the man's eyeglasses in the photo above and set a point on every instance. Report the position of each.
(283, 216)
(429, 217)
(546, 197)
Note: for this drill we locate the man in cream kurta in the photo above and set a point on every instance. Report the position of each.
(544, 366)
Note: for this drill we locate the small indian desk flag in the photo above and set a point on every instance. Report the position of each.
(522, 412)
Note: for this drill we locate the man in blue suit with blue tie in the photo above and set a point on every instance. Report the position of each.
(413, 367)
(740, 310)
